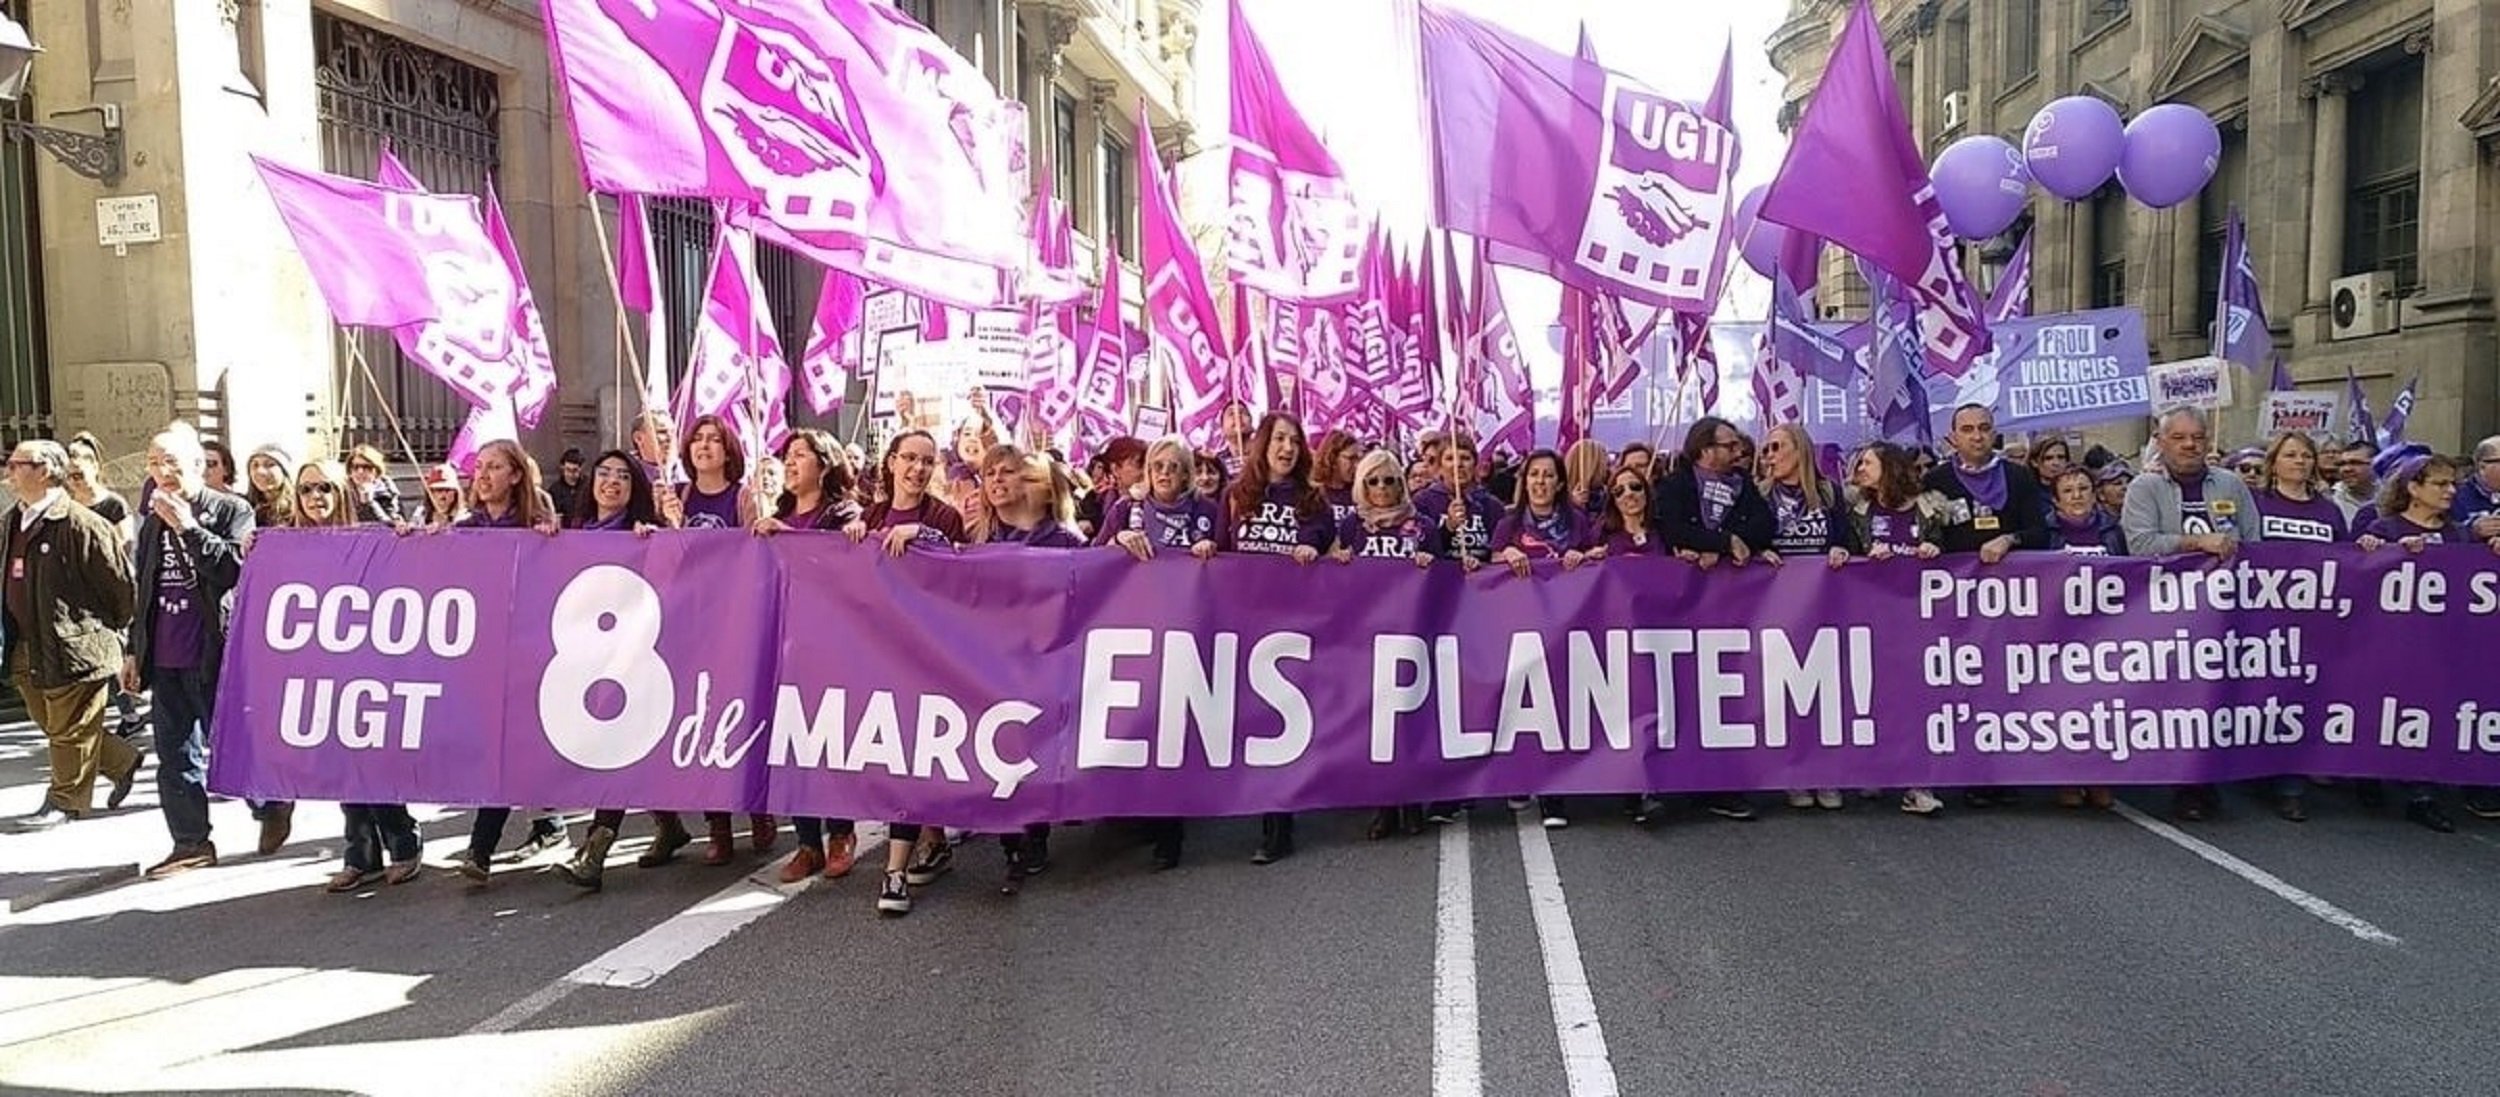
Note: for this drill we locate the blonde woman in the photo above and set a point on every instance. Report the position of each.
(1584, 476)
(1385, 526)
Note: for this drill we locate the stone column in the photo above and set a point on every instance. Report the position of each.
(2081, 228)
(2331, 92)
(2187, 283)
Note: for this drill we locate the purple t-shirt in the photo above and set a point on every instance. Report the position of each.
(2085, 536)
(2315, 520)
(1985, 484)
(1890, 526)
(1475, 537)
(1802, 528)
(616, 521)
(1400, 541)
(1279, 527)
(2397, 527)
(1340, 504)
(1621, 543)
(1718, 495)
(1049, 534)
(828, 513)
(1175, 525)
(1539, 536)
(710, 509)
(180, 635)
(479, 519)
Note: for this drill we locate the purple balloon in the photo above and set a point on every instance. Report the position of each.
(1982, 185)
(2073, 144)
(2171, 153)
(1761, 240)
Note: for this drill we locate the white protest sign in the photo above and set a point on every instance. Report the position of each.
(2310, 413)
(2191, 383)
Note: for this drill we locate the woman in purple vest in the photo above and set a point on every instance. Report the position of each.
(815, 496)
(907, 512)
(1274, 510)
(1164, 516)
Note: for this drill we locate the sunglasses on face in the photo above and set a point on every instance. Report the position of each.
(1382, 482)
(1633, 488)
(317, 487)
(1164, 466)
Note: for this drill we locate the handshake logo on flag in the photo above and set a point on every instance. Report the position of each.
(1657, 213)
(786, 118)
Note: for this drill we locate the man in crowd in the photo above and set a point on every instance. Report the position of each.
(2185, 505)
(2354, 485)
(189, 548)
(567, 485)
(68, 600)
(1992, 505)
(655, 441)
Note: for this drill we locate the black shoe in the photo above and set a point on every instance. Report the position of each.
(1734, 808)
(1551, 812)
(1036, 851)
(123, 783)
(1166, 860)
(2427, 813)
(2291, 810)
(1275, 839)
(932, 862)
(1647, 809)
(894, 899)
(2483, 804)
(1441, 814)
(1384, 823)
(1015, 874)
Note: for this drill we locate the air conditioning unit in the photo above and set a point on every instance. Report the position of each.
(2362, 305)
(1956, 109)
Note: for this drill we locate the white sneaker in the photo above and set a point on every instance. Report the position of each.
(1556, 822)
(1919, 801)
(1521, 803)
(1827, 798)
(1800, 799)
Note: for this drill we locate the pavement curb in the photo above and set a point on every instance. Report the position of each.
(84, 883)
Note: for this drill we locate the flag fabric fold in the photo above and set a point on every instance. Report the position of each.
(2011, 299)
(1854, 176)
(1101, 387)
(1504, 404)
(533, 369)
(371, 249)
(2359, 427)
(737, 370)
(1294, 232)
(1183, 334)
(825, 363)
(2391, 429)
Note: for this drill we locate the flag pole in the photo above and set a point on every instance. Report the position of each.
(356, 354)
(624, 332)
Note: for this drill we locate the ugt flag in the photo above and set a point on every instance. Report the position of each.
(1295, 233)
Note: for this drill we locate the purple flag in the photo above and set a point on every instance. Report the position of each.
(736, 369)
(2360, 428)
(824, 367)
(1007, 685)
(376, 253)
(1504, 403)
(1295, 233)
(1101, 387)
(1800, 344)
(2391, 430)
(1574, 170)
(1896, 398)
(492, 423)
(2282, 380)
(1854, 176)
(2011, 299)
(636, 285)
(2240, 332)
(533, 381)
(1181, 325)
(1052, 280)
(1694, 348)
(849, 128)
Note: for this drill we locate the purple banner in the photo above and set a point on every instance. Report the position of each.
(992, 687)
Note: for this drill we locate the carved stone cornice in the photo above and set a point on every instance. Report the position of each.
(2336, 82)
(1103, 95)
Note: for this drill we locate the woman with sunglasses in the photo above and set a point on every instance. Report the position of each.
(1385, 526)
(374, 831)
(907, 512)
(1164, 516)
(1894, 517)
(377, 500)
(1030, 502)
(1624, 527)
(815, 496)
(1274, 510)
(1808, 520)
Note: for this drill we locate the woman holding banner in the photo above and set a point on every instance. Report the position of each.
(816, 495)
(319, 500)
(1459, 504)
(1164, 516)
(1626, 528)
(503, 494)
(1384, 526)
(2077, 524)
(2289, 504)
(1274, 510)
(1808, 520)
(1893, 518)
(1334, 472)
(1542, 525)
(1030, 502)
(905, 513)
(1207, 477)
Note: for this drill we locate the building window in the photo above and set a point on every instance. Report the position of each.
(2383, 190)
(2021, 42)
(1955, 46)
(682, 231)
(1063, 149)
(1119, 198)
(2213, 219)
(923, 12)
(2109, 248)
(2098, 14)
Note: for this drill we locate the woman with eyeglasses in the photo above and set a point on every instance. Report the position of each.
(2290, 506)
(1456, 502)
(1385, 526)
(1334, 472)
(1164, 516)
(1031, 502)
(318, 500)
(1893, 517)
(2417, 493)
(816, 495)
(1274, 510)
(907, 513)
(377, 499)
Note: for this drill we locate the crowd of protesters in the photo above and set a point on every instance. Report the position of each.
(109, 598)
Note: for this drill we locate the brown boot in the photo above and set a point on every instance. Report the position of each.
(668, 836)
(763, 831)
(724, 841)
(588, 866)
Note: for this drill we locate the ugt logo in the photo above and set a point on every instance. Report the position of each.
(787, 118)
(1658, 208)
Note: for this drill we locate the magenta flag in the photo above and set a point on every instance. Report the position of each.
(1854, 176)
(1051, 280)
(636, 285)
(1181, 327)
(842, 123)
(736, 369)
(536, 386)
(1574, 170)
(1295, 233)
(376, 253)
(2011, 299)
(1694, 348)
(824, 366)
(493, 423)
(1102, 383)
(532, 380)
(1505, 405)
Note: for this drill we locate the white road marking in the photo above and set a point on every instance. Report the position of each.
(2316, 907)
(1585, 1064)
(1457, 1059)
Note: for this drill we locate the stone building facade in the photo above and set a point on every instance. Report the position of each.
(216, 318)
(2359, 136)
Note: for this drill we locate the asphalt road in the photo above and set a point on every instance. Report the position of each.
(2034, 952)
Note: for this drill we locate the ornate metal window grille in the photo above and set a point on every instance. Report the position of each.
(681, 255)
(438, 115)
(25, 374)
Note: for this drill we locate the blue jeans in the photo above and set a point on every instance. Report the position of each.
(184, 699)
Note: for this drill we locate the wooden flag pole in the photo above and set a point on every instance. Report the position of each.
(624, 330)
(356, 354)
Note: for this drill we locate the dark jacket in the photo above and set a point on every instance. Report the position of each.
(79, 583)
(1679, 515)
(1969, 524)
(215, 543)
